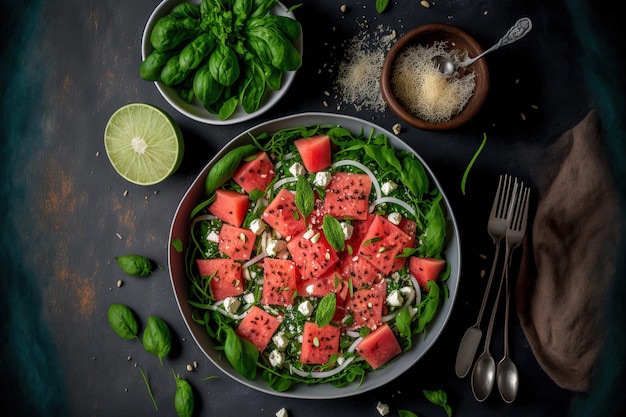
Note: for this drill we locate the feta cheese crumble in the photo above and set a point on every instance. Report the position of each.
(388, 187)
(306, 308)
(231, 304)
(257, 226)
(383, 409)
(322, 179)
(297, 169)
(395, 218)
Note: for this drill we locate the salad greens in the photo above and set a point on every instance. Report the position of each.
(413, 198)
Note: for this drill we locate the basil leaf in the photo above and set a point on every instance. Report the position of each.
(440, 398)
(224, 169)
(333, 232)
(184, 401)
(406, 413)
(381, 5)
(241, 354)
(157, 338)
(123, 322)
(435, 233)
(403, 321)
(135, 265)
(305, 199)
(326, 309)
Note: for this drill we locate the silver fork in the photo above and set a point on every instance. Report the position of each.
(506, 376)
(496, 227)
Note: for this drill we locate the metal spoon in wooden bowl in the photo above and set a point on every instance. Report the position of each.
(448, 65)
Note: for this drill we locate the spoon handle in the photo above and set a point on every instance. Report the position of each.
(515, 33)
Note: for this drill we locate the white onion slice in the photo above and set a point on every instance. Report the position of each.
(201, 218)
(332, 372)
(284, 181)
(393, 200)
(254, 260)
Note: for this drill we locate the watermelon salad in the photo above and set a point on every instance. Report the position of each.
(317, 255)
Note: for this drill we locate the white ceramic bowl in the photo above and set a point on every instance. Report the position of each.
(195, 110)
(180, 283)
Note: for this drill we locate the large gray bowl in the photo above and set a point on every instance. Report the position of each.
(180, 283)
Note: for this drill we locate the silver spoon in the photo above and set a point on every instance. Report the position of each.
(484, 373)
(515, 33)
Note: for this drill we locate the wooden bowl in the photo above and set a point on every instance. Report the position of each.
(456, 39)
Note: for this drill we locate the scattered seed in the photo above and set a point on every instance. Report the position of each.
(485, 12)
(189, 368)
(195, 364)
(125, 389)
(97, 153)
(325, 103)
(326, 93)
(396, 128)
(119, 283)
(523, 116)
(129, 358)
(483, 256)
(425, 4)
(482, 273)
(125, 193)
(534, 106)
(118, 236)
(343, 8)
(517, 81)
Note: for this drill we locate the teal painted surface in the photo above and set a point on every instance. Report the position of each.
(600, 30)
(31, 379)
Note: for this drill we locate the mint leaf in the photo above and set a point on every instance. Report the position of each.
(381, 5)
(333, 232)
(305, 199)
(326, 309)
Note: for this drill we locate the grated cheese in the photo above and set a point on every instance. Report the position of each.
(423, 90)
(358, 74)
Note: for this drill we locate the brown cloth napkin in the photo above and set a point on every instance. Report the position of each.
(569, 257)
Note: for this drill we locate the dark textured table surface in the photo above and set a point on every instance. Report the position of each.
(70, 64)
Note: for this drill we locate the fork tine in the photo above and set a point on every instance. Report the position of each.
(519, 218)
(502, 201)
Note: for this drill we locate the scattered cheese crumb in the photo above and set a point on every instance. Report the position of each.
(348, 229)
(249, 297)
(213, 236)
(257, 226)
(282, 413)
(396, 129)
(280, 341)
(231, 304)
(383, 409)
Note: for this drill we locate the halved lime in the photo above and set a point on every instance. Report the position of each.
(144, 144)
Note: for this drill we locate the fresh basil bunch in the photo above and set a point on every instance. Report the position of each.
(224, 53)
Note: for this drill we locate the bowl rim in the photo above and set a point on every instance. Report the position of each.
(477, 99)
(375, 379)
(194, 110)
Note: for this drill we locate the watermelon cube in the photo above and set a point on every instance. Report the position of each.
(382, 243)
(257, 173)
(319, 343)
(379, 347)
(426, 269)
(279, 281)
(314, 257)
(347, 196)
(318, 286)
(410, 228)
(227, 278)
(315, 152)
(235, 242)
(258, 327)
(283, 215)
(230, 206)
(359, 270)
(359, 229)
(367, 305)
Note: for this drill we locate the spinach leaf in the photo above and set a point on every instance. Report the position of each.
(435, 233)
(123, 321)
(157, 338)
(440, 398)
